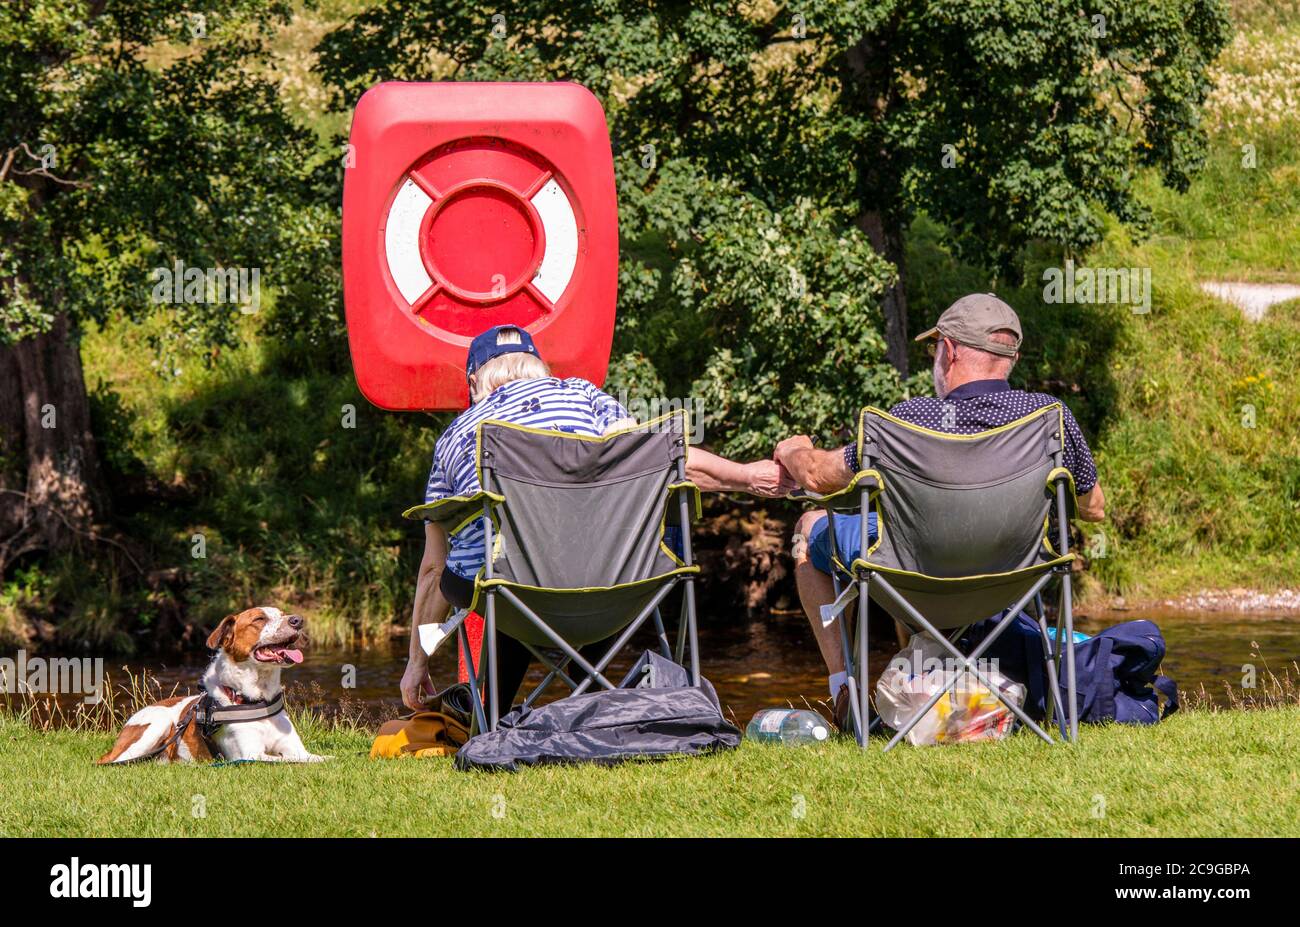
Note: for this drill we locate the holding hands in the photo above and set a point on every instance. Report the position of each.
(769, 479)
(815, 470)
(788, 449)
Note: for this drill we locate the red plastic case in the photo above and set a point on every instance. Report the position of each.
(469, 205)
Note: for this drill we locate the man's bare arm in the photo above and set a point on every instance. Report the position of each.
(815, 470)
(1091, 506)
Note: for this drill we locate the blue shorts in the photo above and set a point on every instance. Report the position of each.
(673, 538)
(848, 537)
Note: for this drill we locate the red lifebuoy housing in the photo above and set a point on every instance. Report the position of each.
(468, 205)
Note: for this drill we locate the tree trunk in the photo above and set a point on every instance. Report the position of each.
(870, 90)
(887, 239)
(51, 489)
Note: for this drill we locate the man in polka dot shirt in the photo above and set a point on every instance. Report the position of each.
(975, 344)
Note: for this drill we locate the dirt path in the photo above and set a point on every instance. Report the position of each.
(1253, 299)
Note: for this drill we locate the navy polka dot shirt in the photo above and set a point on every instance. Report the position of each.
(983, 404)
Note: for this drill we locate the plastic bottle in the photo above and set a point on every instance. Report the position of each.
(788, 726)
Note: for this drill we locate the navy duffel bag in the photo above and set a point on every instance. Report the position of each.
(1116, 672)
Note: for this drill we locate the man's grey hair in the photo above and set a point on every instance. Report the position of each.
(518, 365)
(998, 365)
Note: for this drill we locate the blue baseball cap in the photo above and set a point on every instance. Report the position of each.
(483, 348)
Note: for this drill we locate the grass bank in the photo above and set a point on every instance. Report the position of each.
(1200, 773)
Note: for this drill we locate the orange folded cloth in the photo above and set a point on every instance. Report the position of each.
(422, 734)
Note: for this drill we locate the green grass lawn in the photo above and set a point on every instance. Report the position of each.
(1200, 773)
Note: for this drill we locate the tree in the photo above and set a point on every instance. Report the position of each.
(1019, 120)
(146, 165)
(762, 148)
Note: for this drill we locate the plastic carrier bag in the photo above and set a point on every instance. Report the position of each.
(967, 714)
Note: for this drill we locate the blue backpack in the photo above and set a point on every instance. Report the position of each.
(1116, 672)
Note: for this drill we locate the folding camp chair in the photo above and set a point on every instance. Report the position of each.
(576, 528)
(962, 524)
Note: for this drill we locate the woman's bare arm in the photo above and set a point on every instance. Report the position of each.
(429, 607)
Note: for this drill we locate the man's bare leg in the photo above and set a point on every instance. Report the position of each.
(816, 590)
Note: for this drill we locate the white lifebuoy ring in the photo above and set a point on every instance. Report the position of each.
(406, 216)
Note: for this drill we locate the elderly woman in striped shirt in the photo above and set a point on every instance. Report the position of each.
(510, 382)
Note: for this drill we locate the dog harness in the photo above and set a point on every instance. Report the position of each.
(209, 716)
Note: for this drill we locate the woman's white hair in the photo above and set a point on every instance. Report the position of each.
(517, 365)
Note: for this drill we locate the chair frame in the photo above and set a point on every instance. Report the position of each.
(687, 633)
(855, 651)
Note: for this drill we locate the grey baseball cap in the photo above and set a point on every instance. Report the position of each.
(973, 319)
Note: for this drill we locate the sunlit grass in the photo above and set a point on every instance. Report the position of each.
(1205, 774)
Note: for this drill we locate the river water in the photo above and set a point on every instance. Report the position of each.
(773, 661)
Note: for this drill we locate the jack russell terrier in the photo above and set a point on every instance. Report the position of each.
(240, 714)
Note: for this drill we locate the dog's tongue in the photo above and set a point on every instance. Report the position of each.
(293, 656)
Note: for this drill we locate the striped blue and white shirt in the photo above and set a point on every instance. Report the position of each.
(572, 405)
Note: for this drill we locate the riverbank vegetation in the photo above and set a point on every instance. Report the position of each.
(250, 469)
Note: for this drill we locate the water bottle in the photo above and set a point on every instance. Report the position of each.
(787, 726)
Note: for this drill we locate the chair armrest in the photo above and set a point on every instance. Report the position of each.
(696, 510)
(1062, 478)
(454, 512)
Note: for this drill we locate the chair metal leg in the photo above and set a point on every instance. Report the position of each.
(1072, 706)
(860, 730)
(850, 671)
(1067, 608)
(692, 631)
(688, 558)
(864, 696)
(541, 688)
(1052, 715)
(966, 663)
(661, 636)
(554, 670)
(490, 636)
(679, 650)
(864, 629)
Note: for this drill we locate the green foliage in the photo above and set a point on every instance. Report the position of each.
(294, 482)
(1045, 109)
(137, 133)
(748, 155)
(752, 142)
(776, 284)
